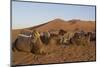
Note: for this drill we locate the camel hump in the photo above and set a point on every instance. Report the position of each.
(26, 32)
(26, 36)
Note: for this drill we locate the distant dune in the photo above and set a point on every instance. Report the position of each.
(57, 24)
(68, 25)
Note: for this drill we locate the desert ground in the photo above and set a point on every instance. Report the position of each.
(58, 53)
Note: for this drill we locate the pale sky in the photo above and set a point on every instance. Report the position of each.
(27, 14)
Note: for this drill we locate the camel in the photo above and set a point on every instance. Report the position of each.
(80, 38)
(30, 42)
(65, 39)
(45, 37)
(22, 43)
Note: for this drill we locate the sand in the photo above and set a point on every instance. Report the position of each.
(58, 53)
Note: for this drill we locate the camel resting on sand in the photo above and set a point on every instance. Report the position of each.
(28, 41)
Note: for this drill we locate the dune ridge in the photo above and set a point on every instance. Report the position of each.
(70, 25)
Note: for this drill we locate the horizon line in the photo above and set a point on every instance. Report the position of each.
(53, 20)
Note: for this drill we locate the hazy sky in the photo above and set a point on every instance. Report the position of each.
(27, 14)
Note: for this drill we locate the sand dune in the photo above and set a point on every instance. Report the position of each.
(68, 25)
(59, 54)
(57, 24)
